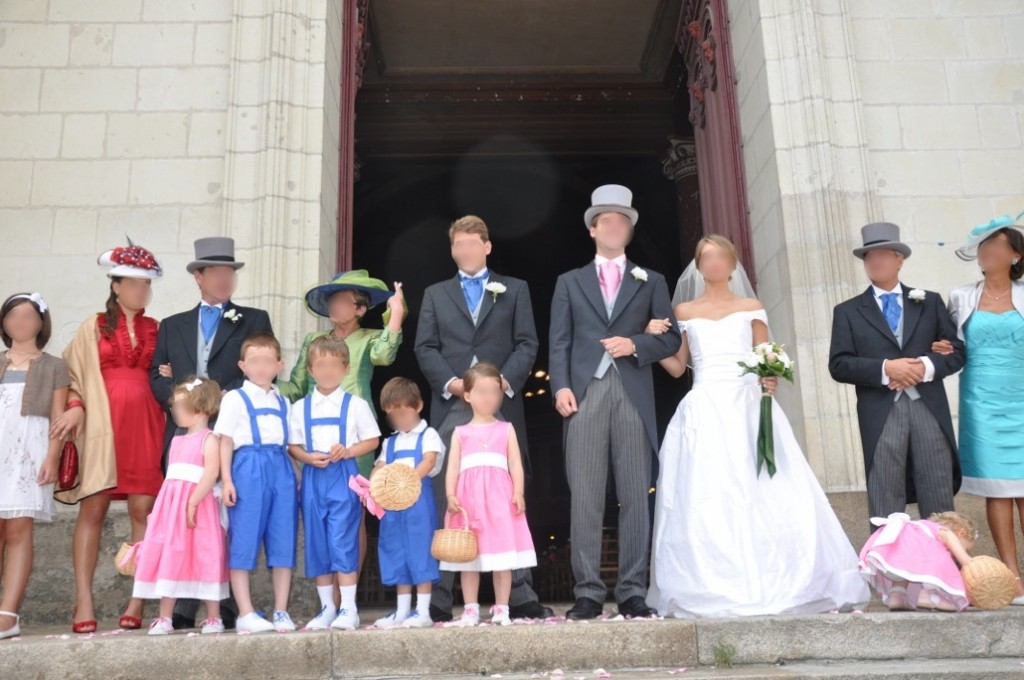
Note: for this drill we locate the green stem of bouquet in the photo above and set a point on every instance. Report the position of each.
(766, 436)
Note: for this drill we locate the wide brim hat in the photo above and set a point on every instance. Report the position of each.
(356, 279)
(611, 198)
(214, 251)
(982, 232)
(131, 261)
(879, 236)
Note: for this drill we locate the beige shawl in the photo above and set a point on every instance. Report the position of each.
(97, 467)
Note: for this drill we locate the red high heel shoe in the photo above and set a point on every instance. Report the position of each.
(80, 627)
(129, 622)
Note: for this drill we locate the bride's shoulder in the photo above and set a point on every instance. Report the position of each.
(750, 305)
(684, 311)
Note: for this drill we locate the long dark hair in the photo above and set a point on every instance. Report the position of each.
(113, 313)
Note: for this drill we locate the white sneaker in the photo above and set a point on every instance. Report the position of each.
(161, 626)
(391, 621)
(348, 619)
(283, 623)
(253, 623)
(470, 617)
(212, 626)
(322, 621)
(417, 620)
(499, 615)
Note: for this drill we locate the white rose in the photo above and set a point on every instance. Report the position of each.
(917, 295)
(639, 274)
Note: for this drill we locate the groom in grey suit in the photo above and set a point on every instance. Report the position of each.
(600, 366)
(476, 316)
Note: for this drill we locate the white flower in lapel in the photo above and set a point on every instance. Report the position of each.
(495, 289)
(232, 315)
(917, 295)
(639, 274)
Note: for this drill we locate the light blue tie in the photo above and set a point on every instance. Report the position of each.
(210, 317)
(473, 290)
(891, 310)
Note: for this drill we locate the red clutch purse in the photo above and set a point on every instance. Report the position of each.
(67, 473)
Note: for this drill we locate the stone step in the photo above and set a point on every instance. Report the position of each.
(865, 645)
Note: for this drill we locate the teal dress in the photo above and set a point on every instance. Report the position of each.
(992, 405)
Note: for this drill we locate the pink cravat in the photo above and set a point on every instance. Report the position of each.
(611, 277)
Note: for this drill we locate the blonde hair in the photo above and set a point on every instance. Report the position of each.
(328, 345)
(470, 224)
(201, 398)
(717, 240)
(957, 523)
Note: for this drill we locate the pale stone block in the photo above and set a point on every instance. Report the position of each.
(99, 89)
(30, 136)
(992, 172)
(83, 135)
(904, 173)
(91, 44)
(254, 46)
(940, 127)
(918, 38)
(24, 10)
(1013, 27)
(882, 127)
(146, 135)
(999, 127)
(184, 88)
(80, 183)
(917, 82)
(953, 8)
(33, 45)
(984, 37)
(199, 222)
(213, 44)
(16, 180)
(74, 231)
(206, 133)
(153, 44)
(986, 82)
(20, 91)
(871, 38)
(187, 10)
(874, 9)
(26, 232)
(154, 228)
(91, 11)
(189, 181)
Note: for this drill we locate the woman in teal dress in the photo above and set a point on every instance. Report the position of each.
(990, 319)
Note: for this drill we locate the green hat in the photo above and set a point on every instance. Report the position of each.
(356, 279)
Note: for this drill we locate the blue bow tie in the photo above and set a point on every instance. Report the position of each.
(473, 289)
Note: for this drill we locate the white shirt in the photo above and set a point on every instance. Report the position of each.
(929, 367)
(360, 426)
(484, 275)
(620, 260)
(233, 419)
(406, 441)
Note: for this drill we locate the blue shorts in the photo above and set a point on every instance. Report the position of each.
(403, 548)
(267, 511)
(331, 516)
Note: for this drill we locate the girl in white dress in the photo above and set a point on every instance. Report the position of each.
(33, 389)
(727, 541)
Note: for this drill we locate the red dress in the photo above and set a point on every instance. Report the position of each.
(137, 420)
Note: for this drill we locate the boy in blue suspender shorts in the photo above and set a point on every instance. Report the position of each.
(259, 483)
(405, 536)
(329, 430)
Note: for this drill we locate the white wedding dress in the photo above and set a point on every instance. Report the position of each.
(726, 541)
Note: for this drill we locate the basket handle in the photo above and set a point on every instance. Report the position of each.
(465, 519)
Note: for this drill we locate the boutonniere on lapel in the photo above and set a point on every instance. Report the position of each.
(232, 315)
(917, 295)
(639, 274)
(495, 289)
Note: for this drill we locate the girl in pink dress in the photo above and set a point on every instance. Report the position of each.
(184, 554)
(485, 478)
(911, 562)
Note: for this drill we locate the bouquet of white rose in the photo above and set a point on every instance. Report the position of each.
(767, 360)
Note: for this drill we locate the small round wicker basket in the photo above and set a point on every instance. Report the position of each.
(454, 545)
(395, 487)
(990, 583)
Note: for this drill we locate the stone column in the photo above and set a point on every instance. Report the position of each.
(680, 167)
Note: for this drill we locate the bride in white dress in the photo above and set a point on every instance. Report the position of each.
(728, 542)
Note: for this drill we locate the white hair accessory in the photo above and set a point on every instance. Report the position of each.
(192, 385)
(34, 297)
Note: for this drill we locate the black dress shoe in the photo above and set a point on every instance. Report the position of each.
(180, 622)
(585, 608)
(438, 615)
(636, 607)
(228, 617)
(530, 610)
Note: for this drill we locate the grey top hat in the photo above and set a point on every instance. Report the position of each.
(878, 235)
(214, 251)
(611, 198)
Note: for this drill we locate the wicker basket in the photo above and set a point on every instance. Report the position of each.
(396, 487)
(125, 560)
(454, 545)
(990, 583)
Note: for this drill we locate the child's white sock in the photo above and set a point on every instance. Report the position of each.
(348, 598)
(423, 603)
(326, 594)
(404, 603)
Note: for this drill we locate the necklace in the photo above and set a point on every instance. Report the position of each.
(484, 443)
(17, 365)
(1000, 296)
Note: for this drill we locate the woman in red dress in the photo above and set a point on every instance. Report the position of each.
(117, 424)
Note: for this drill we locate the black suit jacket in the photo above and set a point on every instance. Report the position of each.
(862, 340)
(504, 335)
(176, 345)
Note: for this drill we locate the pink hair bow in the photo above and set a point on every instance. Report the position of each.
(361, 485)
